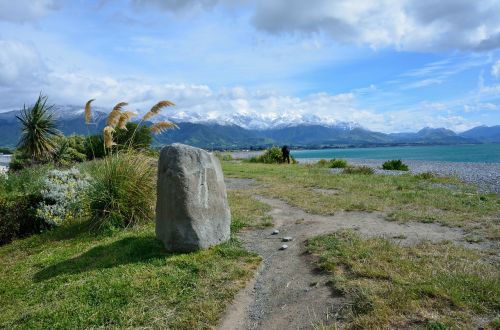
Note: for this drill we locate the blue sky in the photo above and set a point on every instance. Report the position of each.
(388, 65)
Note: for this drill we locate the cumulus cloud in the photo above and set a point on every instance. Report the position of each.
(403, 24)
(26, 10)
(407, 24)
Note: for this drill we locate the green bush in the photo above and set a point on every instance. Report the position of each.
(18, 217)
(122, 191)
(395, 165)
(332, 163)
(19, 199)
(271, 156)
(358, 170)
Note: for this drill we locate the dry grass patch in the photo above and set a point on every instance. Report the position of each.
(434, 286)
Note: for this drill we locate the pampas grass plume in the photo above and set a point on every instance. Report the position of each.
(108, 136)
(88, 111)
(162, 126)
(157, 108)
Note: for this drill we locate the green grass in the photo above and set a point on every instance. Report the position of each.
(434, 286)
(403, 197)
(72, 277)
(249, 212)
(124, 280)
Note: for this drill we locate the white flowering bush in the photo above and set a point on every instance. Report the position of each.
(63, 194)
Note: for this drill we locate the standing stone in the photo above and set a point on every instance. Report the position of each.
(192, 211)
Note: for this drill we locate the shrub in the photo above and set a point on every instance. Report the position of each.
(18, 217)
(271, 156)
(122, 191)
(395, 165)
(358, 170)
(28, 181)
(332, 163)
(62, 195)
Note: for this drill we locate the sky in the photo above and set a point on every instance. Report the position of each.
(388, 65)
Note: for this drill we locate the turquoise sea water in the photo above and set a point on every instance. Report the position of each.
(487, 153)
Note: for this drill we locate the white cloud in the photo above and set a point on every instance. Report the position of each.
(26, 10)
(403, 24)
(406, 24)
(20, 65)
(495, 69)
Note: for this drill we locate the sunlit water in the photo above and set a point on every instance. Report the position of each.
(484, 153)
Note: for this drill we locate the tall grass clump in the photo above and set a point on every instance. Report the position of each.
(395, 165)
(122, 192)
(358, 170)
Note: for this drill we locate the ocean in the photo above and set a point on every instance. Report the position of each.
(482, 153)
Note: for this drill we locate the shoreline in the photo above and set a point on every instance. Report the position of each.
(486, 176)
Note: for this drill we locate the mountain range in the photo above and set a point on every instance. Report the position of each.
(245, 130)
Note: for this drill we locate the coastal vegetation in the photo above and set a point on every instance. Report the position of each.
(423, 197)
(395, 165)
(332, 163)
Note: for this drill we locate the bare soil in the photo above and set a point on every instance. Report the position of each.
(289, 292)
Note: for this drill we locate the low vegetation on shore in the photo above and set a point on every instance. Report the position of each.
(424, 197)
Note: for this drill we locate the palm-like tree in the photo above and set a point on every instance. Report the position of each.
(38, 129)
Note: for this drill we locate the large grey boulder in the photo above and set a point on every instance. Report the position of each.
(192, 211)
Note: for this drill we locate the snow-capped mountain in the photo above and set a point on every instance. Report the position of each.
(257, 121)
(244, 119)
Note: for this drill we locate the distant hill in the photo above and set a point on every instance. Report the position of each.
(484, 133)
(429, 135)
(298, 132)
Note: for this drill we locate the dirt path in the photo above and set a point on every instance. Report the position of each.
(289, 292)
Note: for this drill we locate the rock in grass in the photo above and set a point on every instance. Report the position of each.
(286, 239)
(275, 232)
(284, 247)
(192, 211)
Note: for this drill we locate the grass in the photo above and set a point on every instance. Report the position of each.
(332, 163)
(74, 278)
(433, 286)
(249, 212)
(403, 197)
(122, 191)
(366, 170)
